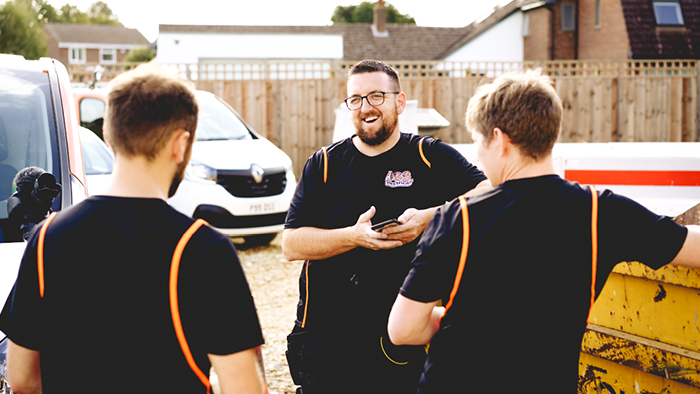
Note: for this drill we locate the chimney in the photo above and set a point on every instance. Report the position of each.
(379, 25)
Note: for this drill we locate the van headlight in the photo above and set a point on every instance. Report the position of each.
(202, 171)
(4, 384)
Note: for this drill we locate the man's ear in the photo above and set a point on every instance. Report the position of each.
(503, 141)
(181, 139)
(105, 136)
(400, 103)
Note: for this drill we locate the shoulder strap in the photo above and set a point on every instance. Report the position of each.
(463, 255)
(306, 303)
(325, 164)
(420, 150)
(594, 244)
(40, 253)
(174, 306)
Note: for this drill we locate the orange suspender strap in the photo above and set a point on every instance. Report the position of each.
(463, 256)
(40, 253)
(420, 150)
(306, 304)
(175, 309)
(594, 245)
(325, 164)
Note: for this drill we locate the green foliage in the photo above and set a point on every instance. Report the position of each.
(140, 54)
(364, 13)
(21, 29)
(98, 13)
(22, 24)
(394, 16)
(71, 14)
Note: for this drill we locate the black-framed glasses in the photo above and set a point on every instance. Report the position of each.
(374, 99)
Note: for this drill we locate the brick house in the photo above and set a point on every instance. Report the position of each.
(612, 29)
(79, 44)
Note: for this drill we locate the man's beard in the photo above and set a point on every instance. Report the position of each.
(180, 172)
(383, 134)
(177, 179)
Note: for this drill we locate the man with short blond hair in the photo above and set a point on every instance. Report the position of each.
(502, 283)
(123, 293)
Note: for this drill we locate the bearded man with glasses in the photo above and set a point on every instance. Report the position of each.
(353, 273)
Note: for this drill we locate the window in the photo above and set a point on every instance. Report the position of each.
(567, 17)
(91, 114)
(108, 55)
(76, 55)
(668, 13)
(526, 24)
(28, 132)
(597, 14)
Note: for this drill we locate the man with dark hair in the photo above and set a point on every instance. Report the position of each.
(353, 273)
(502, 283)
(123, 293)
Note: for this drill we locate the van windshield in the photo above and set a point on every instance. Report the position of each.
(27, 128)
(217, 122)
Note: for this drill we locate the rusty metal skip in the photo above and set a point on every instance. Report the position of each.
(644, 330)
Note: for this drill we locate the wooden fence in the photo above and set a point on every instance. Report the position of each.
(293, 103)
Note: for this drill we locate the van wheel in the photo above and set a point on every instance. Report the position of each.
(259, 240)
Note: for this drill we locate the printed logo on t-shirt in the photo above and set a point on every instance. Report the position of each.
(398, 179)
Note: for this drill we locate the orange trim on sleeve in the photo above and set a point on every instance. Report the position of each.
(40, 253)
(174, 306)
(325, 164)
(420, 150)
(306, 304)
(594, 244)
(463, 256)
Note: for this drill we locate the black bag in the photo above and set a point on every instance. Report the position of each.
(303, 356)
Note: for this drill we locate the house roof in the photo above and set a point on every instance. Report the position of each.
(480, 25)
(404, 42)
(96, 34)
(647, 41)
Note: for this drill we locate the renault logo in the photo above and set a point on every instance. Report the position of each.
(257, 172)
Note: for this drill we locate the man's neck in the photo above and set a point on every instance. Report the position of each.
(529, 168)
(138, 178)
(376, 150)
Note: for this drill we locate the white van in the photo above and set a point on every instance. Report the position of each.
(38, 128)
(238, 181)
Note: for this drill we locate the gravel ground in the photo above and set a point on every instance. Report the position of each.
(274, 282)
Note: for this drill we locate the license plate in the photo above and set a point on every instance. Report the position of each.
(263, 207)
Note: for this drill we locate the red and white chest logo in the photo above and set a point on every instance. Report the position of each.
(398, 179)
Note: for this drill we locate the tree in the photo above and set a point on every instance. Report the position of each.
(71, 14)
(21, 30)
(140, 54)
(364, 13)
(98, 13)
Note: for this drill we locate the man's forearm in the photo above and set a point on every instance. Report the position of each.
(413, 322)
(309, 243)
(23, 369)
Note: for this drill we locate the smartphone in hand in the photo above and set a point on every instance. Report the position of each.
(385, 224)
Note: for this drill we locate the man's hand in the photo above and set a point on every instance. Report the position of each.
(370, 239)
(413, 223)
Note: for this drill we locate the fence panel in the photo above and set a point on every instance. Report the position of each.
(293, 103)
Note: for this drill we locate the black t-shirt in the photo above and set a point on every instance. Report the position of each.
(361, 285)
(104, 323)
(524, 296)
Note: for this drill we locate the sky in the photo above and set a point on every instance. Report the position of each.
(146, 15)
